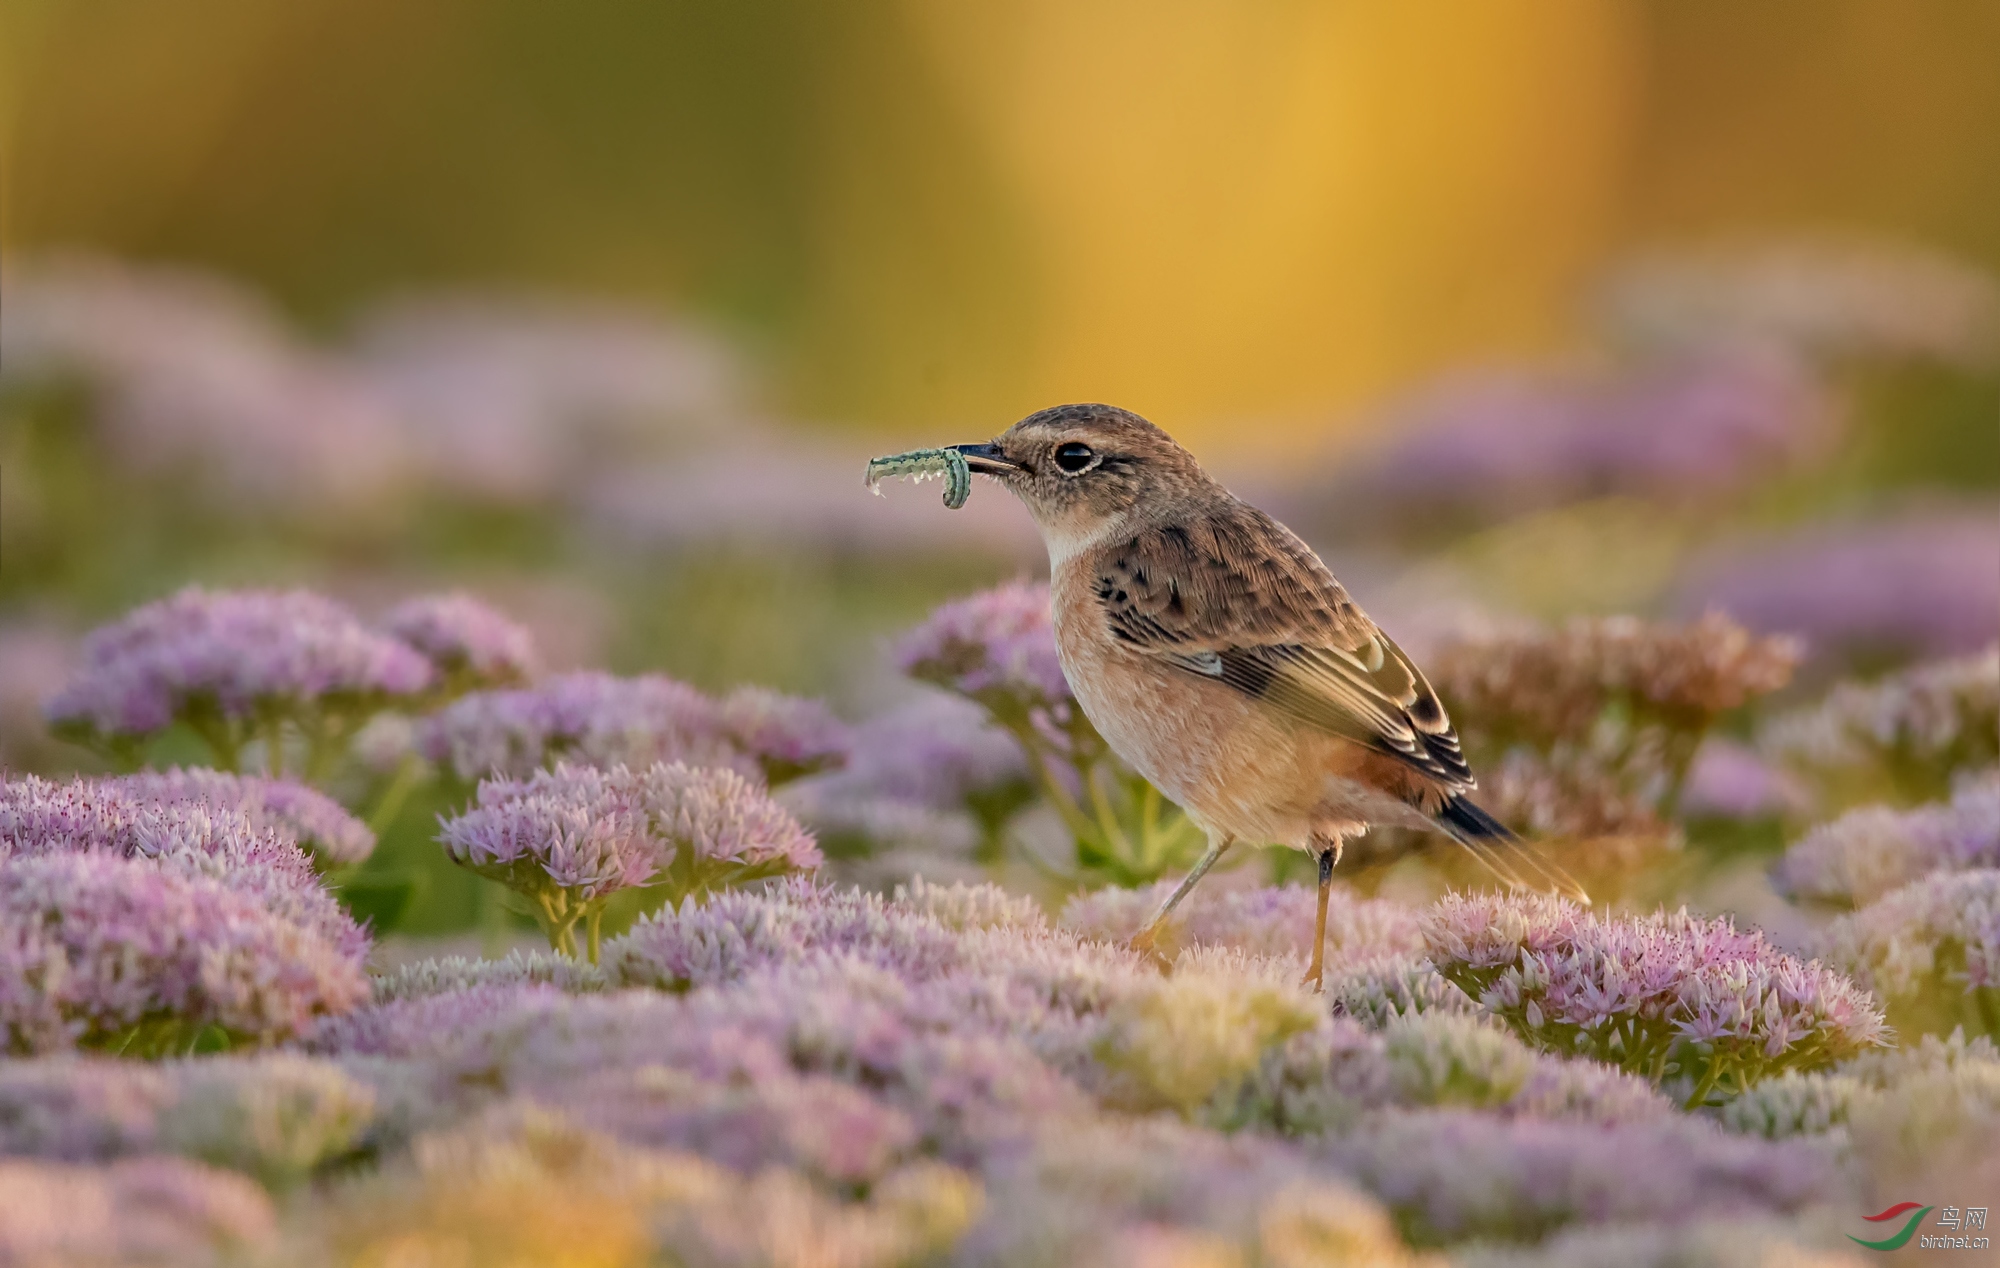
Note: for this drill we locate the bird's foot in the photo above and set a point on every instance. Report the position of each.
(1146, 943)
(1313, 980)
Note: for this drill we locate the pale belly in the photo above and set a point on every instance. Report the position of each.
(1235, 771)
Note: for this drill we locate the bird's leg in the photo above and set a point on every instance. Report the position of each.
(1318, 969)
(1144, 939)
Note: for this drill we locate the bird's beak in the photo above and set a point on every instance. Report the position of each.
(988, 460)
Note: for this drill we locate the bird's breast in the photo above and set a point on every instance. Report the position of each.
(1200, 743)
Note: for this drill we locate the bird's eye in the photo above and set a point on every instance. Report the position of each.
(1075, 458)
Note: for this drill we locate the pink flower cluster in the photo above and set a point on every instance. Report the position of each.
(1662, 995)
(1543, 687)
(603, 720)
(571, 837)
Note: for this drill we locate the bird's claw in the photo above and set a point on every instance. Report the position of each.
(1146, 943)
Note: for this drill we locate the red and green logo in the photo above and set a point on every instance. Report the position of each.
(1894, 1241)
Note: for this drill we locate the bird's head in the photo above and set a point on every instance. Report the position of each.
(1087, 471)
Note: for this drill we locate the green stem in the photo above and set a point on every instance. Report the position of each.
(492, 917)
(323, 746)
(1071, 814)
(559, 922)
(595, 926)
(1707, 1085)
(390, 804)
(1681, 748)
(1120, 845)
(222, 740)
(274, 746)
(1150, 847)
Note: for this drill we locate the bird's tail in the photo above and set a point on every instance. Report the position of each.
(1518, 864)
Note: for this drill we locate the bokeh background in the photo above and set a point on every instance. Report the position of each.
(1516, 311)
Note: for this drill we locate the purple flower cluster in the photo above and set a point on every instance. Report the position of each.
(1662, 995)
(1729, 1242)
(498, 399)
(195, 379)
(276, 1116)
(571, 837)
(1926, 584)
(1866, 853)
(937, 752)
(1450, 1174)
(1500, 443)
(787, 736)
(445, 975)
(467, 643)
(1728, 780)
(311, 818)
(228, 662)
(1938, 937)
(916, 935)
(1274, 922)
(929, 787)
(517, 399)
(998, 649)
(1907, 735)
(119, 952)
(832, 1042)
(1333, 1077)
(138, 923)
(192, 838)
(1901, 1108)
(603, 720)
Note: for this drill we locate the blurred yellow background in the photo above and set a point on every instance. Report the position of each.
(1247, 221)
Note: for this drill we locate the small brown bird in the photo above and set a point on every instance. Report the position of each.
(1219, 657)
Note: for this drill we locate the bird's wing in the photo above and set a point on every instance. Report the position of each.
(1235, 597)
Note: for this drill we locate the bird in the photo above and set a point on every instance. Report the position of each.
(1218, 656)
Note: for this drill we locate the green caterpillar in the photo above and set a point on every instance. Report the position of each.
(923, 464)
